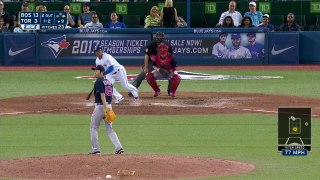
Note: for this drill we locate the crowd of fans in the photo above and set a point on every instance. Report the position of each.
(166, 17)
(253, 18)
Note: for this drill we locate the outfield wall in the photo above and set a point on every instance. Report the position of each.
(190, 46)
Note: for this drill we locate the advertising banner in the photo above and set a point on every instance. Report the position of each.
(218, 48)
(21, 53)
(283, 48)
(78, 48)
(309, 47)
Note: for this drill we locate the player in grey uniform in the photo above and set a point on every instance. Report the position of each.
(103, 96)
(114, 71)
(237, 51)
(220, 48)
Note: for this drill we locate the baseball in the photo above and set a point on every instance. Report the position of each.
(108, 176)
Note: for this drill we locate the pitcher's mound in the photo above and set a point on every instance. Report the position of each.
(120, 167)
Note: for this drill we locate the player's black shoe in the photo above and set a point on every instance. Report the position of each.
(120, 151)
(96, 152)
(130, 94)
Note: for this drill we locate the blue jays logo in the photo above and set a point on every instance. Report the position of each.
(56, 45)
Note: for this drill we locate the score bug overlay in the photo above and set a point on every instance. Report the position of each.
(294, 131)
(43, 20)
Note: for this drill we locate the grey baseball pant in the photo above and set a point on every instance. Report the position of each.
(137, 82)
(96, 118)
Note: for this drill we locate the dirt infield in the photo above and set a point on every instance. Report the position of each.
(120, 167)
(186, 103)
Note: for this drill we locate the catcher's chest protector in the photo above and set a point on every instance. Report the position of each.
(164, 63)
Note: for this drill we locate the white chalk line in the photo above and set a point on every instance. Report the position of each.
(155, 104)
(40, 111)
(266, 111)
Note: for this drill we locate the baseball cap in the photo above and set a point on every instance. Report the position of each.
(25, 4)
(251, 34)
(99, 67)
(223, 33)
(235, 36)
(253, 3)
(266, 15)
(85, 4)
(97, 48)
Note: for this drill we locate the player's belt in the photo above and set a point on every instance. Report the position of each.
(116, 71)
(99, 103)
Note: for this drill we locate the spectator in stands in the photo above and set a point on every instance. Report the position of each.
(71, 18)
(4, 15)
(41, 8)
(246, 22)
(85, 17)
(94, 22)
(153, 19)
(227, 23)
(16, 18)
(256, 16)
(182, 23)
(17, 28)
(3, 28)
(236, 16)
(168, 15)
(290, 25)
(265, 23)
(256, 49)
(114, 23)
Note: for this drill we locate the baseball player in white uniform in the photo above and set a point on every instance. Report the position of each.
(237, 51)
(114, 71)
(220, 48)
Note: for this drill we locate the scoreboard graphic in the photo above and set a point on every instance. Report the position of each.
(294, 131)
(43, 20)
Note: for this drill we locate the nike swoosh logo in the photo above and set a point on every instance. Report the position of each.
(276, 52)
(13, 53)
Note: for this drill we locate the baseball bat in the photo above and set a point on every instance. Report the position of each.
(89, 95)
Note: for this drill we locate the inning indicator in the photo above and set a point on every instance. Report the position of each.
(43, 20)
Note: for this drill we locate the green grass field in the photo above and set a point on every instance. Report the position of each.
(248, 138)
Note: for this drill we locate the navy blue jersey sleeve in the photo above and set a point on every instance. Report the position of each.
(100, 87)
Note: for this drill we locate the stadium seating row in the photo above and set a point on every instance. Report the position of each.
(136, 12)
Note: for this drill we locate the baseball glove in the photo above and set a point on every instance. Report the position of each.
(109, 115)
(164, 72)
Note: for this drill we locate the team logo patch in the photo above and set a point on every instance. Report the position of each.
(56, 45)
(186, 75)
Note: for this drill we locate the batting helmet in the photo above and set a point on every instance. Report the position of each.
(160, 37)
(97, 48)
